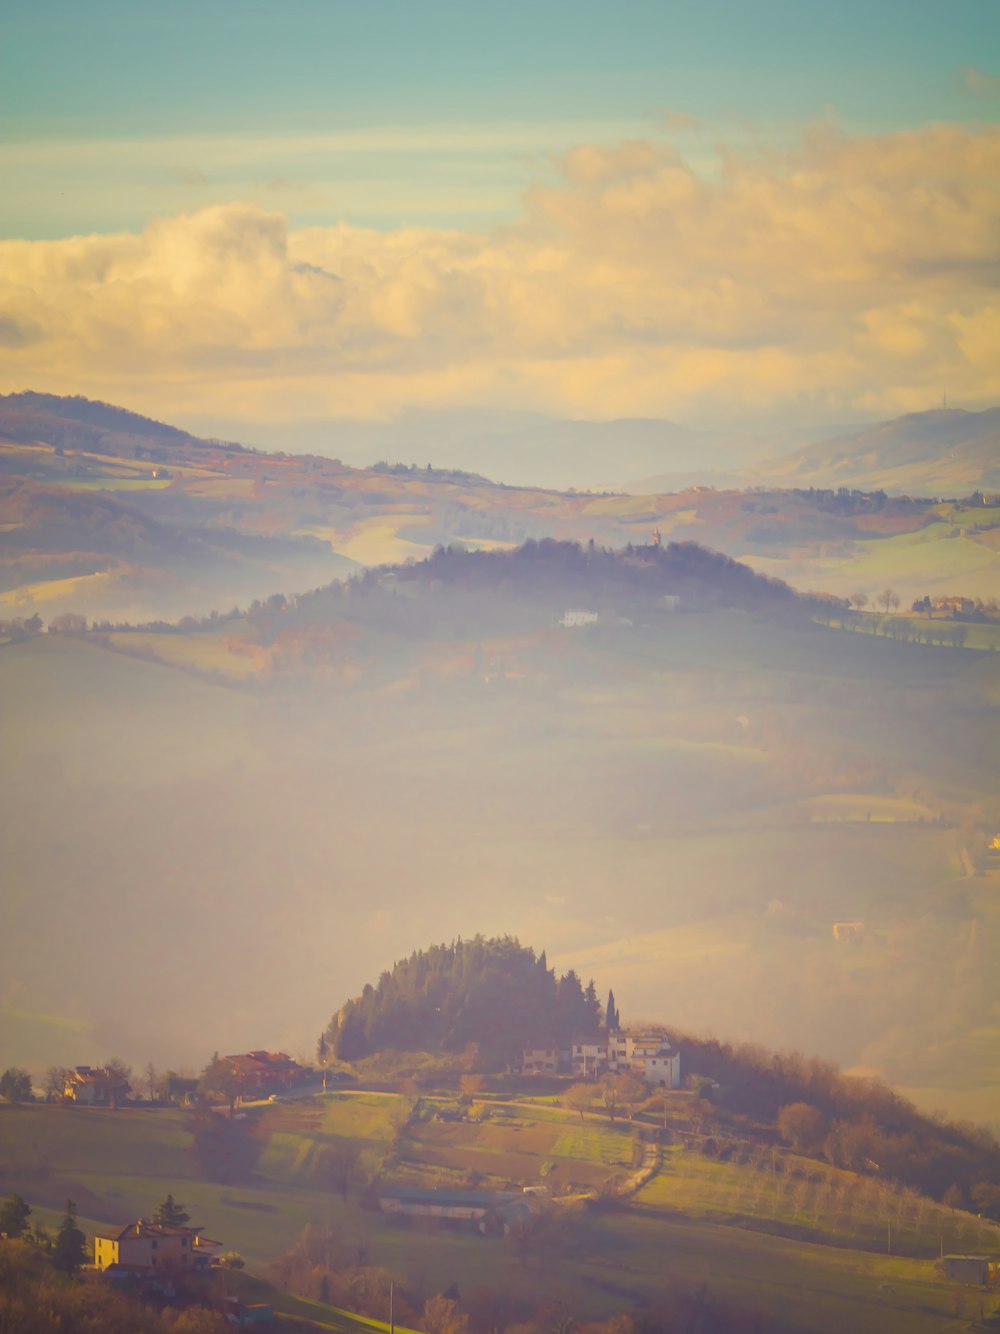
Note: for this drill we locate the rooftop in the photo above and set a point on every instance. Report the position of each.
(148, 1227)
(469, 1199)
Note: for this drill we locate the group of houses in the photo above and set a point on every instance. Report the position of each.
(651, 1055)
(954, 604)
(253, 1074)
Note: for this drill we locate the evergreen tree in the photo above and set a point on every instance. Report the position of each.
(593, 1007)
(70, 1248)
(14, 1215)
(491, 993)
(172, 1214)
(613, 1017)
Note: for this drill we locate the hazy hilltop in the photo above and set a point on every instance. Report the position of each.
(524, 449)
(493, 996)
(145, 521)
(948, 452)
(83, 423)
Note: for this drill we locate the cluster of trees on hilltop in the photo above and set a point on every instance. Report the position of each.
(493, 994)
(473, 592)
(858, 1124)
(604, 573)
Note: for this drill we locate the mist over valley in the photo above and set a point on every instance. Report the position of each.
(500, 668)
(656, 764)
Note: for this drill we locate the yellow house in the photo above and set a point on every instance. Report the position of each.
(146, 1245)
(853, 931)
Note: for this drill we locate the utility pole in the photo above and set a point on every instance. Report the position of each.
(392, 1322)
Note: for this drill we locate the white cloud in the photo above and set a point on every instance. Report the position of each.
(847, 272)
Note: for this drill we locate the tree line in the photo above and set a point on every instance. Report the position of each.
(859, 1124)
(492, 994)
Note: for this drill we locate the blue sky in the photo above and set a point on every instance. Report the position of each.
(163, 96)
(719, 211)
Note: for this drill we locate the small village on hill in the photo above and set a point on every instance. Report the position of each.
(525, 1148)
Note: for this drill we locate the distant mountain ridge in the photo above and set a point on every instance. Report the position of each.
(516, 448)
(946, 452)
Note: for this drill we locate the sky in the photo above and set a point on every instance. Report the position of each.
(735, 211)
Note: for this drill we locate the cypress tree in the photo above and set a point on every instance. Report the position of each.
(69, 1251)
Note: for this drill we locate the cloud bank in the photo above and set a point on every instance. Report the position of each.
(849, 274)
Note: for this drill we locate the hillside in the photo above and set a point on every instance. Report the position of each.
(532, 588)
(306, 516)
(729, 1226)
(486, 1000)
(84, 424)
(688, 798)
(948, 452)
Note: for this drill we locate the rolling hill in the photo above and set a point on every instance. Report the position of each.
(222, 525)
(725, 1229)
(948, 452)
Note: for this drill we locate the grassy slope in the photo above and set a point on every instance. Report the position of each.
(938, 559)
(678, 1230)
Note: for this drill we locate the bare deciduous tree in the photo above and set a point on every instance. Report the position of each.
(578, 1098)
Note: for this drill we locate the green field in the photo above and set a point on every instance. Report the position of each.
(749, 1234)
(956, 554)
(803, 1199)
(794, 1285)
(119, 484)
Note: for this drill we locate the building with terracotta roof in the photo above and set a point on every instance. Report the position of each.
(96, 1087)
(264, 1071)
(146, 1246)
